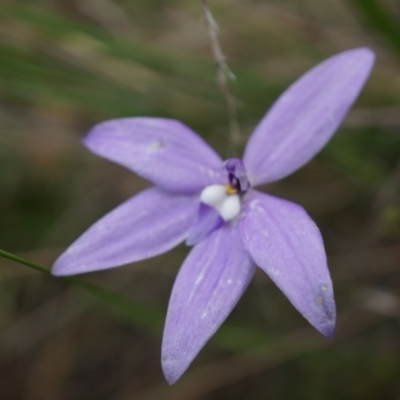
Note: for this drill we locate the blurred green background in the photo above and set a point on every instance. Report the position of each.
(66, 65)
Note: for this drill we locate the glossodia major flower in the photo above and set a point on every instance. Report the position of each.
(213, 205)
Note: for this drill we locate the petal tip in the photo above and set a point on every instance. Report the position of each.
(94, 138)
(88, 139)
(172, 369)
(363, 50)
(58, 273)
(328, 330)
(60, 269)
(364, 56)
(326, 321)
(368, 54)
(65, 265)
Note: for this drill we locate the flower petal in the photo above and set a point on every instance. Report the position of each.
(209, 284)
(284, 241)
(305, 117)
(164, 151)
(208, 220)
(146, 225)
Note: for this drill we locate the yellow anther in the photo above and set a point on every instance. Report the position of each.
(230, 190)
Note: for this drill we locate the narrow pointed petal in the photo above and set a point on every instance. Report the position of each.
(208, 220)
(146, 225)
(284, 241)
(164, 151)
(306, 116)
(209, 284)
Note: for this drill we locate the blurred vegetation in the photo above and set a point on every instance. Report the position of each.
(66, 65)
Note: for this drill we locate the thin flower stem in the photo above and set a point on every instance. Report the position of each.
(21, 260)
(224, 74)
(139, 314)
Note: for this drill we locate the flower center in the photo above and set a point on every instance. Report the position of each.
(226, 199)
(230, 189)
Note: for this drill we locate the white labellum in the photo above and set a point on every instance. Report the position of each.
(215, 196)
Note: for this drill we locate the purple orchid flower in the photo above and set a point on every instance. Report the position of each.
(213, 205)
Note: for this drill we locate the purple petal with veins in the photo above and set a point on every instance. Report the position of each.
(209, 284)
(164, 151)
(284, 241)
(148, 224)
(306, 116)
